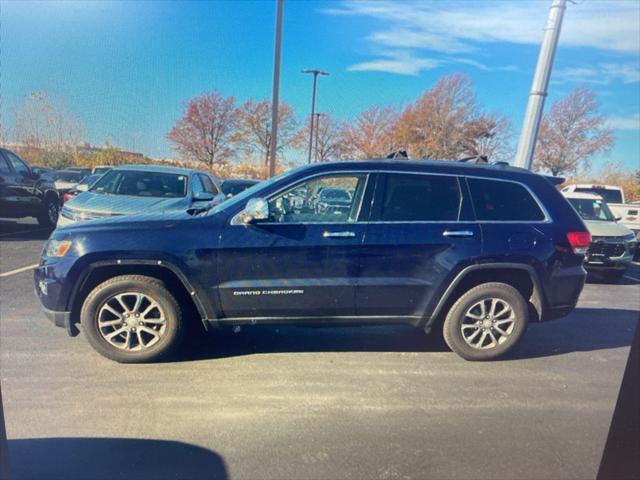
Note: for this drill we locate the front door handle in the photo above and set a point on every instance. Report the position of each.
(457, 233)
(327, 234)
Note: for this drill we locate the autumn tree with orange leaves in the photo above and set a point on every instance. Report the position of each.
(371, 134)
(205, 132)
(445, 123)
(571, 133)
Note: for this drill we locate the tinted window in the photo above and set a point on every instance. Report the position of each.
(18, 165)
(141, 184)
(505, 201)
(609, 196)
(70, 177)
(305, 202)
(413, 198)
(208, 185)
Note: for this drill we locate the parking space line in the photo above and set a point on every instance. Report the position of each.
(19, 270)
(632, 278)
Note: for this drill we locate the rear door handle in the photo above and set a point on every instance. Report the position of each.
(457, 233)
(327, 234)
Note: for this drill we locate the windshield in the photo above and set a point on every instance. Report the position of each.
(590, 209)
(234, 187)
(71, 177)
(89, 179)
(609, 195)
(141, 184)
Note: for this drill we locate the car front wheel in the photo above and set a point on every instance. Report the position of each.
(486, 322)
(48, 217)
(132, 319)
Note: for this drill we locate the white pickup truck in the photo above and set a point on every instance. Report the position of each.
(628, 214)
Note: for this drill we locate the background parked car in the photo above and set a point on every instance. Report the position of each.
(234, 186)
(65, 180)
(612, 244)
(133, 189)
(24, 193)
(83, 186)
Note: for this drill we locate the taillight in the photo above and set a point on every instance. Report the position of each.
(66, 197)
(579, 241)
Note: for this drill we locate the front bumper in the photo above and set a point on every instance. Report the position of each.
(52, 292)
(61, 319)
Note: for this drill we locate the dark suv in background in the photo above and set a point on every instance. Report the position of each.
(24, 192)
(477, 251)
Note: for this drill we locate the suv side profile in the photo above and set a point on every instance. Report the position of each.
(476, 251)
(24, 192)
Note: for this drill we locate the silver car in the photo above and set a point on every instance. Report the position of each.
(132, 189)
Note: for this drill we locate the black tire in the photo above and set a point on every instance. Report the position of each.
(48, 217)
(150, 288)
(613, 276)
(457, 317)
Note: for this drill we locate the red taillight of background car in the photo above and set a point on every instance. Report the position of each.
(67, 196)
(579, 241)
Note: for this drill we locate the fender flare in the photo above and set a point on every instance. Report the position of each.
(537, 296)
(79, 285)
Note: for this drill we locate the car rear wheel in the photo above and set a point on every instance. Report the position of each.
(132, 319)
(48, 217)
(486, 322)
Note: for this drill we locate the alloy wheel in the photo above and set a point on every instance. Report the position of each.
(488, 323)
(131, 321)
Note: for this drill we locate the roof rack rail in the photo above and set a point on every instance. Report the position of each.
(475, 159)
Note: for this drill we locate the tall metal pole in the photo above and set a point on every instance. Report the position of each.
(318, 115)
(315, 74)
(276, 87)
(535, 105)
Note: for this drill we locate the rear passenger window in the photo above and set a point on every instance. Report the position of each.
(503, 201)
(420, 198)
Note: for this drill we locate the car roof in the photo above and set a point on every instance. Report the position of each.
(159, 169)
(585, 196)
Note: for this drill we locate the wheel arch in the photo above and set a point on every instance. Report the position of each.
(523, 277)
(171, 275)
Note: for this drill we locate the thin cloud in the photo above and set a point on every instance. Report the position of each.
(459, 27)
(601, 74)
(631, 122)
(401, 63)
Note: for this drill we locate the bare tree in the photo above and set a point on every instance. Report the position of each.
(42, 123)
(372, 134)
(330, 142)
(205, 131)
(255, 129)
(571, 133)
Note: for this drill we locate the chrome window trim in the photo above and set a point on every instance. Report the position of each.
(548, 219)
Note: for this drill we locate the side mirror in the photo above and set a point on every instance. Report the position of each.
(35, 171)
(256, 210)
(229, 195)
(203, 197)
(618, 219)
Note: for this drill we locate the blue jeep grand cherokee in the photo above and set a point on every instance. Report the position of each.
(475, 250)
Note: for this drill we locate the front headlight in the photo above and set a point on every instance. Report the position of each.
(57, 248)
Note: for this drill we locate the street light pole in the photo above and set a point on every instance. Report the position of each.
(276, 86)
(318, 115)
(315, 74)
(535, 105)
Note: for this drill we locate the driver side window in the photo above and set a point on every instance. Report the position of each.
(329, 199)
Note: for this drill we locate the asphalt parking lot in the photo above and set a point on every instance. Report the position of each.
(380, 402)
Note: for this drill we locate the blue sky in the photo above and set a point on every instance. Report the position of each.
(126, 68)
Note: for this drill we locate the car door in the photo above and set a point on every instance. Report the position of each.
(421, 228)
(24, 187)
(301, 262)
(8, 200)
